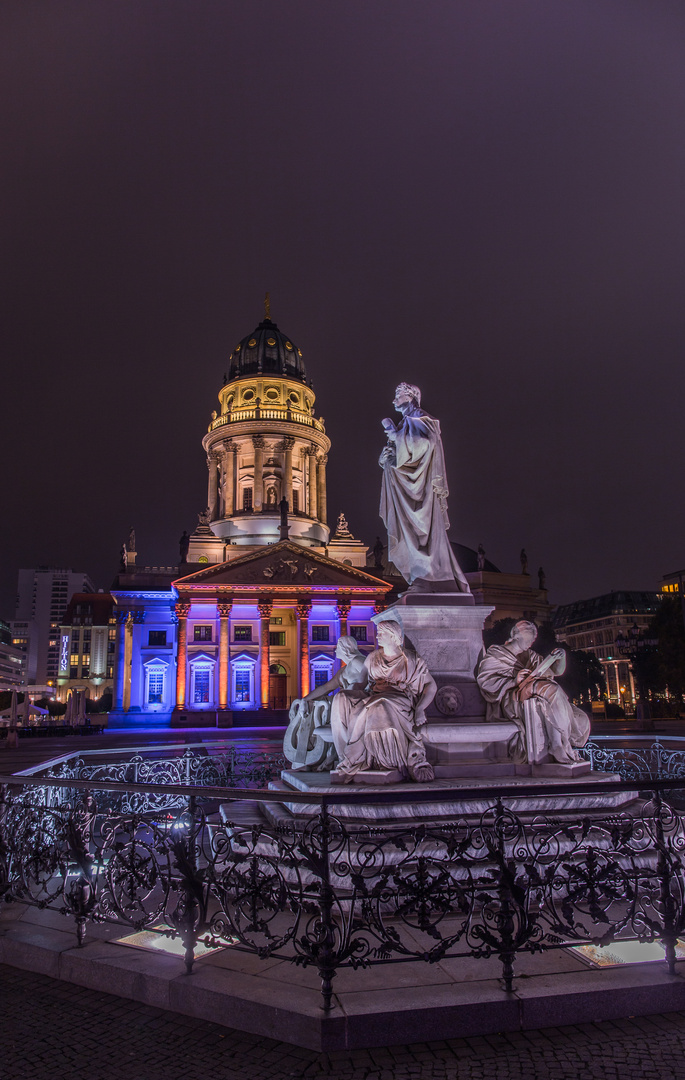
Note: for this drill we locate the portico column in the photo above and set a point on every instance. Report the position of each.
(321, 492)
(258, 493)
(212, 486)
(265, 609)
(120, 675)
(313, 503)
(229, 477)
(288, 444)
(182, 610)
(343, 607)
(224, 608)
(304, 606)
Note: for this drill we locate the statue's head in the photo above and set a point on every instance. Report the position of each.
(523, 633)
(407, 396)
(388, 630)
(347, 648)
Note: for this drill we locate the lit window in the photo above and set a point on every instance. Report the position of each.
(247, 498)
(320, 677)
(242, 633)
(320, 633)
(242, 685)
(202, 633)
(201, 691)
(277, 637)
(277, 620)
(155, 687)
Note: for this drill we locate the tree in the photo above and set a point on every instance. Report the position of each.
(664, 667)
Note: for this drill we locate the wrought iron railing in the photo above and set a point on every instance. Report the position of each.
(318, 889)
(648, 759)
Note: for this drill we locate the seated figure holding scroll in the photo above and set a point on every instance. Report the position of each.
(519, 685)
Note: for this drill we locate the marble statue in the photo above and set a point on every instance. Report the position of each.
(378, 551)
(542, 578)
(284, 507)
(183, 547)
(131, 542)
(204, 517)
(524, 561)
(518, 685)
(481, 557)
(414, 498)
(311, 714)
(379, 728)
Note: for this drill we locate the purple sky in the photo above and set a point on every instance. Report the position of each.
(485, 198)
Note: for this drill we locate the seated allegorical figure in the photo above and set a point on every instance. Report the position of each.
(349, 682)
(519, 685)
(380, 729)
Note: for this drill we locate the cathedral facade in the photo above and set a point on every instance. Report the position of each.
(251, 616)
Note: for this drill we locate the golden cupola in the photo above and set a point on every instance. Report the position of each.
(266, 444)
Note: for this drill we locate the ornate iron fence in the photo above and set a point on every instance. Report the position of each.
(333, 893)
(640, 762)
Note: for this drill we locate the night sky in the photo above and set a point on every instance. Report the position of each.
(484, 198)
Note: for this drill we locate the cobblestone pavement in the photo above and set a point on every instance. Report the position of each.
(51, 1030)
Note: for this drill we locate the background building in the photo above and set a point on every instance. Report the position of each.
(12, 659)
(42, 598)
(593, 625)
(87, 646)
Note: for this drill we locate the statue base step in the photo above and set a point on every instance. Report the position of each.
(377, 777)
(485, 768)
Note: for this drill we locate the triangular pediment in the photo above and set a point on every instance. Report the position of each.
(280, 565)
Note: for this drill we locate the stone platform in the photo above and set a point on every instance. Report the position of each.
(380, 1006)
(454, 798)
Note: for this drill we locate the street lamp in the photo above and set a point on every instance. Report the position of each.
(634, 647)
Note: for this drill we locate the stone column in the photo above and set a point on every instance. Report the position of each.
(304, 607)
(258, 486)
(230, 449)
(182, 610)
(120, 673)
(288, 444)
(213, 486)
(343, 606)
(321, 489)
(265, 609)
(313, 502)
(224, 607)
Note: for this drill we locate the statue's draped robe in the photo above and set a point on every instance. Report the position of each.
(416, 521)
(547, 711)
(353, 679)
(379, 727)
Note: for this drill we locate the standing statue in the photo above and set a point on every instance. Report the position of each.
(524, 561)
(378, 551)
(183, 546)
(519, 685)
(381, 728)
(414, 498)
(542, 578)
(131, 542)
(481, 557)
(284, 507)
(204, 517)
(123, 558)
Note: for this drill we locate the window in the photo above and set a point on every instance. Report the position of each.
(296, 502)
(201, 688)
(320, 633)
(277, 637)
(85, 672)
(277, 620)
(242, 685)
(358, 633)
(155, 687)
(320, 677)
(157, 637)
(242, 633)
(202, 633)
(247, 498)
(73, 672)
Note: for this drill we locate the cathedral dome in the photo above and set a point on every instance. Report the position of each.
(267, 351)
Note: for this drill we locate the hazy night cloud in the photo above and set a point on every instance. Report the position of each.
(485, 199)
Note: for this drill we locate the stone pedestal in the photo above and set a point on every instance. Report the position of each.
(446, 630)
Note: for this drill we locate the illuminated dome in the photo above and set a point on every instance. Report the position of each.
(267, 351)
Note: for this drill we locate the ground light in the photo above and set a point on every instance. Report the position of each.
(625, 952)
(155, 940)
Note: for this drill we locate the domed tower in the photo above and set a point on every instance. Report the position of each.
(266, 443)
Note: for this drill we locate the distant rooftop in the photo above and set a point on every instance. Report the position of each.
(599, 607)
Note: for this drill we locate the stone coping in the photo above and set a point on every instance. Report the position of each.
(380, 1006)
